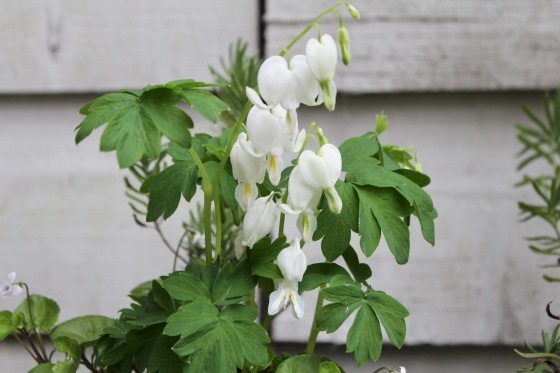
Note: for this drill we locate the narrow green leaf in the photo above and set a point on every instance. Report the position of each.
(333, 315)
(192, 317)
(205, 103)
(360, 271)
(391, 314)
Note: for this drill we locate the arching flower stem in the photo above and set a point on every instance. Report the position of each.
(44, 356)
(314, 332)
(311, 24)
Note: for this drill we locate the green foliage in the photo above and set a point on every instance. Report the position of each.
(263, 254)
(374, 308)
(308, 364)
(137, 120)
(7, 326)
(376, 201)
(43, 315)
(239, 71)
(541, 142)
(548, 357)
(85, 330)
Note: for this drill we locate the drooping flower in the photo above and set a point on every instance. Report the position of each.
(321, 171)
(259, 220)
(322, 57)
(292, 263)
(302, 201)
(285, 84)
(9, 288)
(248, 169)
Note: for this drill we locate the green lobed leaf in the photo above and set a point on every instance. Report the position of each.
(213, 341)
(334, 229)
(343, 289)
(360, 271)
(233, 284)
(135, 123)
(185, 287)
(168, 186)
(320, 273)
(388, 208)
(364, 338)
(44, 312)
(357, 151)
(333, 315)
(205, 103)
(162, 358)
(391, 314)
(85, 330)
(262, 255)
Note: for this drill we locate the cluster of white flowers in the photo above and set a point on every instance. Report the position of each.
(272, 129)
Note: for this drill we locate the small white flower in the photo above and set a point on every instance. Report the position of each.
(322, 56)
(403, 370)
(248, 169)
(8, 288)
(292, 263)
(259, 220)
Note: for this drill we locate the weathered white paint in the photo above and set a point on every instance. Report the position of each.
(84, 46)
(435, 45)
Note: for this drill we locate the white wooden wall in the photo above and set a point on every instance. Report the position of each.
(428, 45)
(65, 226)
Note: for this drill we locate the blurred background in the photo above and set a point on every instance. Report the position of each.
(451, 75)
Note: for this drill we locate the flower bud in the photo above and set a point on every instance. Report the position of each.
(344, 42)
(353, 11)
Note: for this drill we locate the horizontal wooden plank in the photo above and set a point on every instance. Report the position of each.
(427, 45)
(81, 46)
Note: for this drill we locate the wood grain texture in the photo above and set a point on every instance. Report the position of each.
(54, 46)
(436, 45)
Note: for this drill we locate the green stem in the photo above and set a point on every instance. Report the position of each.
(218, 212)
(234, 134)
(282, 215)
(208, 191)
(252, 299)
(312, 340)
(37, 360)
(312, 24)
(267, 322)
(176, 256)
(35, 327)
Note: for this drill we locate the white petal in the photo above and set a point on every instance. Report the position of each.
(334, 201)
(298, 305)
(304, 83)
(264, 130)
(274, 79)
(275, 165)
(302, 196)
(288, 210)
(239, 248)
(275, 302)
(258, 222)
(246, 194)
(11, 277)
(322, 57)
(307, 224)
(314, 170)
(333, 160)
(403, 370)
(255, 99)
(16, 290)
(247, 166)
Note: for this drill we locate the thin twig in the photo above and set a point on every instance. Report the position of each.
(166, 243)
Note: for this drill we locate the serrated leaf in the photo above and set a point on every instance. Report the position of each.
(44, 312)
(254, 341)
(136, 123)
(191, 317)
(185, 287)
(85, 330)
